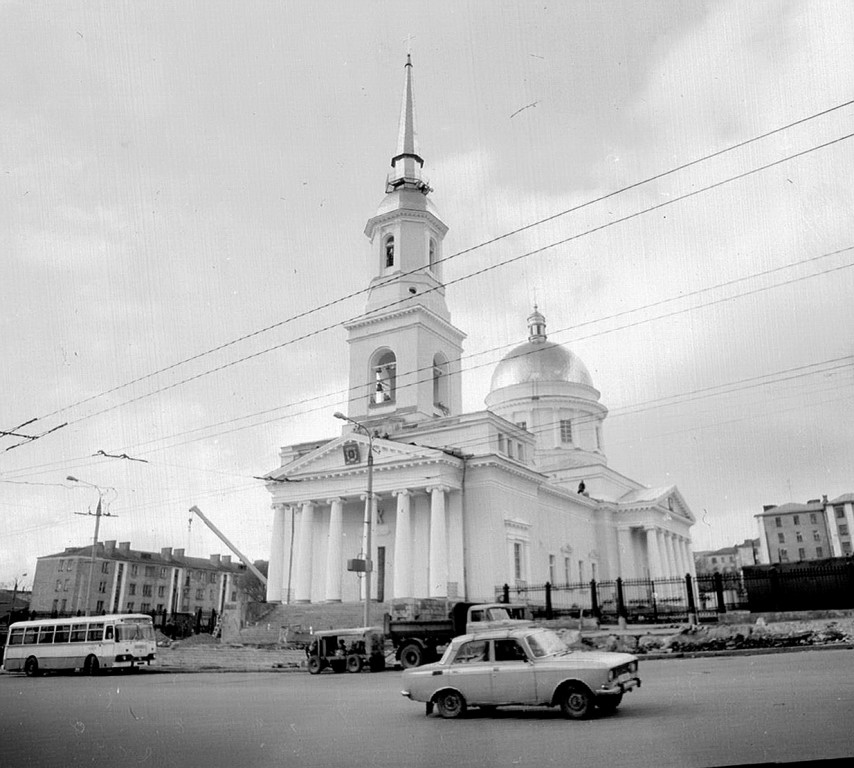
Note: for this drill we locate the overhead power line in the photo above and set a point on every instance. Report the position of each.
(498, 238)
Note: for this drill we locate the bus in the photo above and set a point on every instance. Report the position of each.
(87, 643)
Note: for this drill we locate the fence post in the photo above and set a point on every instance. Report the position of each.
(505, 597)
(719, 592)
(654, 602)
(621, 604)
(594, 601)
(548, 600)
(692, 606)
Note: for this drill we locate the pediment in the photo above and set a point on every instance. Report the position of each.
(668, 498)
(350, 453)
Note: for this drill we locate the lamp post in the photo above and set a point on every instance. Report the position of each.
(98, 513)
(369, 513)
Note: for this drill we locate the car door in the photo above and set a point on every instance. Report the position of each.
(470, 671)
(513, 679)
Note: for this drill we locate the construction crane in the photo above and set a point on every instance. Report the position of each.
(243, 559)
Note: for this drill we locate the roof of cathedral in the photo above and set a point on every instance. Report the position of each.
(540, 360)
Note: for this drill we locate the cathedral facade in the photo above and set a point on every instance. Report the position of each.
(457, 504)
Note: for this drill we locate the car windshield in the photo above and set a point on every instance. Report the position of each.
(544, 642)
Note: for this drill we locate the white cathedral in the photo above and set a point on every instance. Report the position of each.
(520, 493)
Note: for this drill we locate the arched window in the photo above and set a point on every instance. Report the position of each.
(440, 383)
(388, 249)
(433, 253)
(384, 370)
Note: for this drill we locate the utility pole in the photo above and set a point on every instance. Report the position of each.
(98, 513)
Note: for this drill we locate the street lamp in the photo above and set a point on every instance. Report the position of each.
(369, 510)
(98, 513)
(14, 599)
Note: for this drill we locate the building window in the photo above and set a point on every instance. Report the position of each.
(819, 551)
(212, 578)
(200, 594)
(131, 589)
(522, 425)
(839, 510)
(145, 607)
(99, 606)
(234, 596)
(781, 538)
(567, 570)
(61, 565)
(843, 529)
(163, 573)
(62, 605)
(816, 536)
(784, 555)
(134, 570)
(813, 518)
(517, 560)
(799, 536)
(388, 250)
(778, 521)
(581, 570)
(150, 570)
(714, 560)
(161, 591)
(802, 553)
(105, 567)
(58, 585)
(846, 548)
(102, 587)
(55, 606)
(796, 519)
(566, 431)
(66, 585)
(432, 253)
(130, 607)
(384, 376)
(146, 590)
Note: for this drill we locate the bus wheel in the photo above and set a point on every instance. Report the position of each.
(91, 666)
(31, 667)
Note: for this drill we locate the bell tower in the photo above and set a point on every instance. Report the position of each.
(404, 350)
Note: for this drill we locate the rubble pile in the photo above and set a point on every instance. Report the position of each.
(701, 638)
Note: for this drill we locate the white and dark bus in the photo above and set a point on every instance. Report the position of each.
(87, 643)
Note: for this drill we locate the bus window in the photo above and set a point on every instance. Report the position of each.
(17, 637)
(108, 632)
(31, 635)
(78, 633)
(62, 632)
(46, 635)
(95, 633)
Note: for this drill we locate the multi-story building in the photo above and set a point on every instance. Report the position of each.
(126, 581)
(727, 559)
(818, 529)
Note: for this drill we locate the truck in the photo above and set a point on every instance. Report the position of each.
(419, 629)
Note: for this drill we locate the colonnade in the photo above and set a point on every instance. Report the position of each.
(668, 553)
(304, 518)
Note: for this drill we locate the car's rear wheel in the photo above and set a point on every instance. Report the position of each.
(576, 702)
(411, 655)
(450, 704)
(314, 665)
(31, 667)
(91, 666)
(609, 702)
(354, 663)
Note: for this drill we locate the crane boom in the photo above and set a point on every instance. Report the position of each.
(243, 559)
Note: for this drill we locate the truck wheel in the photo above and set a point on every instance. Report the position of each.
(354, 663)
(576, 702)
(314, 665)
(451, 704)
(411, 655)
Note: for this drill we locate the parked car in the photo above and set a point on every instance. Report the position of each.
(521, 666)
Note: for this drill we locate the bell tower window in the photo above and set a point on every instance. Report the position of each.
(432, 255)
(440, 383)
(388, 250)
(384, 378)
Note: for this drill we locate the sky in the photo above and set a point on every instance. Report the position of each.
(184, 189)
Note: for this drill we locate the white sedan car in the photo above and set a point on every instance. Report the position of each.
(527, 666)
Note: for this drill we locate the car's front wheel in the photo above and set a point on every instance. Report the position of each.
(609, 702)
(576, 702)
(451, 704)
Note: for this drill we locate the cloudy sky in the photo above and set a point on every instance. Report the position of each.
(185, 185)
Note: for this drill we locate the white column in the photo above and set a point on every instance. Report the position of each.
(670, 539)
(653, 553)
(438, 568)
(403, 546)
(682, 546)
(302, 556)
(628, 565)
(277, 555)
(689, 556)
(334, 549)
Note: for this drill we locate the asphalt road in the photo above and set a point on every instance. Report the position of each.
(691, 712)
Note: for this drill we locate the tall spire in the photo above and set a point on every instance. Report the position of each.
(407, 162)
